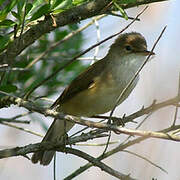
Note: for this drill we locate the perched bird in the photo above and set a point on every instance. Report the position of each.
(96, 90)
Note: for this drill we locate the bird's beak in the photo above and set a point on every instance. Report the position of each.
(146, 53)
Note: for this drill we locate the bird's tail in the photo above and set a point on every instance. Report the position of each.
(54, 133)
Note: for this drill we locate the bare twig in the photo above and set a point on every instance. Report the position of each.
(115, 150)
(21, 115)
(154, 107)
(176, 110)
(51, 146)
(107, 143)
(54, 167)
(97, 144)
(22, 129)
(144, 158)
(119, 15)
(14, 120)
(138, 2)
(98, 39)
(97, 163)
(139, 125)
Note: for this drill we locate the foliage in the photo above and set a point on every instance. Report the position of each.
(19, 15)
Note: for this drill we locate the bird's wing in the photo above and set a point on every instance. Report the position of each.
(80, 83)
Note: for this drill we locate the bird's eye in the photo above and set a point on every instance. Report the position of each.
(128, 48)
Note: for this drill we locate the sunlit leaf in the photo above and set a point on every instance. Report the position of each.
(56, 3)
(121, 10)
(77, 2)
(64, 5)
(40, 12)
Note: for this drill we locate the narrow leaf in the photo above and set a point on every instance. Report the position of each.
(8, 88)
(7, 23)
(28, 8)
(3, 41)
(40, 12)
(15, 15)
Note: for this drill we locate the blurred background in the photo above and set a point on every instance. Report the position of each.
(158, 80)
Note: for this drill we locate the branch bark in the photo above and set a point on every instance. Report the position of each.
(48, 112)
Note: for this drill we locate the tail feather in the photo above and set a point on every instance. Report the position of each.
(54, 133)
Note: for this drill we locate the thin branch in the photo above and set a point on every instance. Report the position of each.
(115, 150)
(119, 15)
(54, 167)
(58, 147)
(107, 143)
(139, 125)
(21, 151)
(55, 146)
(138, 3)
(153, 107)
(144, 158)
(97, 144)
(14, 120)
(21, 115)
(176, 110)
(21, 129)
(98, 34)
(97, 163)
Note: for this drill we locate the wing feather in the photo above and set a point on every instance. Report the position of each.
(80, 83)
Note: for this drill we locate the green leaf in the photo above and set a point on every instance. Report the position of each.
(20, 7)
(57, 11)
(15, 15)
(7, 9)
(121, 10)
(56, 3)
(127, 1)
(4, 41)
(77, 2)
(7, 23)
(63, 5)
(8, 88)
(36, 3)
(28, 8)
(40, 12)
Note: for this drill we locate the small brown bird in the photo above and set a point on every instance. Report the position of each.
(96, 90)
